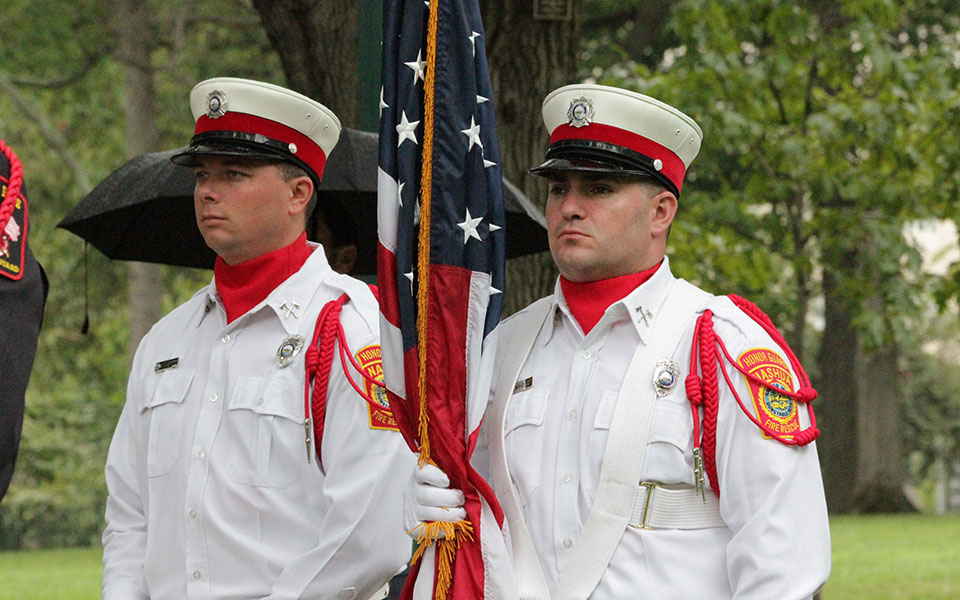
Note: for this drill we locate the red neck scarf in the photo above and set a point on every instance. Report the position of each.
(245, 285)
(588, 300)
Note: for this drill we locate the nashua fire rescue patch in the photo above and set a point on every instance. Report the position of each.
(371, 363)
(13, 237)
(774, 410)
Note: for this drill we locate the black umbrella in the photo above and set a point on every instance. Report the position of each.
(144, 210)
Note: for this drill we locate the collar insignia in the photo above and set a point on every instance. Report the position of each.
(291, 308)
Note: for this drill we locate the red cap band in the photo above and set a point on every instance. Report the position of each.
(673, 167)
(307, 150)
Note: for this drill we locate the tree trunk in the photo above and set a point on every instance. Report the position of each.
(317, 44)
(837, 404)
(881, 468)
(134, 45)
(528, 59)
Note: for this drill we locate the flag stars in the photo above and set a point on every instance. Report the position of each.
(405, 130)
(480, 99)
(418, 66)
(473, 41)
(473, 135)
(383, 104)
(469, 227)
(400, 193)
(494, 291)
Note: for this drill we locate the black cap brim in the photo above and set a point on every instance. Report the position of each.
(240, 145)
(592, 156)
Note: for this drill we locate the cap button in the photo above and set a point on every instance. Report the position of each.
(293, 148)
(657, 164)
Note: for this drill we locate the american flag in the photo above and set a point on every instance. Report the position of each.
(440, 172)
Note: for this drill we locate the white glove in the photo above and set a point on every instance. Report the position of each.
(428, 498)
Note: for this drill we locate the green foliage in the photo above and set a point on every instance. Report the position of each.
(61, 59)
(826, 133)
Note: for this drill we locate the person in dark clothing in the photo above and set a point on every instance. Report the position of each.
(23, 293)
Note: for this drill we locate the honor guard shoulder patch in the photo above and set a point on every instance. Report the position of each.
(371, 364)
(13, 237)
(774, 410)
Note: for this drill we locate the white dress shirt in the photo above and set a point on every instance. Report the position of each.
(211, 494)
(776, 543)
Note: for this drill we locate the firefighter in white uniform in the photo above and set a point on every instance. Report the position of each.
(252, 460)
(645, 438)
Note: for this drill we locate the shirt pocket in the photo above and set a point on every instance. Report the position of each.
(523, 440)
(266, 432)
(164, 411)
(671, 436)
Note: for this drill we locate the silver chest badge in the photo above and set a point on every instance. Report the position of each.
(665, 376)
(580, 112)
(288, 350)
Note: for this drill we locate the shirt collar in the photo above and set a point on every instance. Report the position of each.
(641, 306)
(289, 300)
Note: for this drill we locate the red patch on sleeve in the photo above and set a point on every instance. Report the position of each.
(371, 363)
(13, 237)
(774, 410)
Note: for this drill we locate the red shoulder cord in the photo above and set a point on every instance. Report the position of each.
(13, 186)
(319, 360)
(704, 390)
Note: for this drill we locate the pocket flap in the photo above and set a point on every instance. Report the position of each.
(171, 387)
(604, 416)
(672, 423)
(526, 408)
(277, 397)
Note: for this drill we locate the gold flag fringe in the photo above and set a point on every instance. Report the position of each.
(448, 537)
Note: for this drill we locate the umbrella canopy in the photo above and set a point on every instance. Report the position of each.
(143, 211)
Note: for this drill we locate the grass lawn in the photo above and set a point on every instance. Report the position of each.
(877, 557)
(72, 574)
(895, 557)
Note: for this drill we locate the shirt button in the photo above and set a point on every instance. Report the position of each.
(567, 542)
(587, 354)
(214, 397)
(200, 454)
(225, 338)
(193, 514)
(567, 477)
(196, 575)
(259, 400)
(572, 414)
